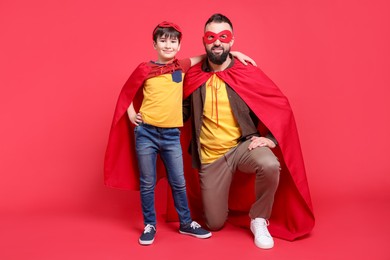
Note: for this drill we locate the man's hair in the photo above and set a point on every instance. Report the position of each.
(169, 32)
(219, 18)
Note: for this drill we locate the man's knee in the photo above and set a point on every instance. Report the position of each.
(270, 170)
(215, 225)
(272, 166)
(215, 219)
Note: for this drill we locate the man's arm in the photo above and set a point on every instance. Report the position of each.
(272, 138)
(260, 141)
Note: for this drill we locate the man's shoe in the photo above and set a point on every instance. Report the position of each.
(147, 236)
(194, 229)
(263, 238)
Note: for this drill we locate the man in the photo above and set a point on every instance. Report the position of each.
(229, 103)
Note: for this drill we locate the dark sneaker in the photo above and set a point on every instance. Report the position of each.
(147, 236)
(194, 229)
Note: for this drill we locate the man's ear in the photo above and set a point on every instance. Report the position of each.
(231, 42)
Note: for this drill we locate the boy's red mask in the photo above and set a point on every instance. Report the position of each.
(166, 24)
(225, 36)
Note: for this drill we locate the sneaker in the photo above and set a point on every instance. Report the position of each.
(263, 238)
(147, 236)
(194, 229)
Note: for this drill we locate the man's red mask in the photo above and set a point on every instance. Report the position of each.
(225, 36)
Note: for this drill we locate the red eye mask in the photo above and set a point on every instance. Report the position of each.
(225, 36)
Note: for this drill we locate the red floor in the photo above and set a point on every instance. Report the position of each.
(351, 228)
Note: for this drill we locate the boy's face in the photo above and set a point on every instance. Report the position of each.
(166, 48)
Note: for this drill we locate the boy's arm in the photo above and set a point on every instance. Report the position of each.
(197, 59)
(134, 117)
(243, 58)
(240, 56)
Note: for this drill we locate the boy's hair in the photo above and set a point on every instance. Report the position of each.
(219, 18)
(167, 29)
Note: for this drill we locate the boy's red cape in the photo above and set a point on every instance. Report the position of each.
(292, 215)
(120, 162)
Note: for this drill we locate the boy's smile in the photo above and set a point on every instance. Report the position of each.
(167, 48)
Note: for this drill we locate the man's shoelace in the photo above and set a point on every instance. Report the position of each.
(261, 228)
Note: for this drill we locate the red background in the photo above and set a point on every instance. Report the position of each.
(63, 63)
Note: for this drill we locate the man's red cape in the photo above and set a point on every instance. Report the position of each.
(292, 214)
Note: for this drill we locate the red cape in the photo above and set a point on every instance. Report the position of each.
(292, 214)
(120, 162)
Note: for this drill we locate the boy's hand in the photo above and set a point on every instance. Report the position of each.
(135, 119)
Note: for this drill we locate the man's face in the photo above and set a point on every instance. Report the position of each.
(218, 40)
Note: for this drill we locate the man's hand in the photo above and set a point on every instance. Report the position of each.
(261, 142)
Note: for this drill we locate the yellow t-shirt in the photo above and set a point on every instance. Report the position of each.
(162, 102)
(220, 131)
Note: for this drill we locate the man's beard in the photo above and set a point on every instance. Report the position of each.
(217, 59)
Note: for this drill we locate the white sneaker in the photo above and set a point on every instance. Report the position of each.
(263, 238)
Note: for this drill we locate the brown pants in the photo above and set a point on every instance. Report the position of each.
(216, 177)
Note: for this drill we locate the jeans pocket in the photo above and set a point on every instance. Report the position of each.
(171, 132)
(137, 129)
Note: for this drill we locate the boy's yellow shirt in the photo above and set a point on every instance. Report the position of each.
(162, 102)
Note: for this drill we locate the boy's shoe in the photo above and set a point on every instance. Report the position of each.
(147, 236)
(263, 238)
(194, 229)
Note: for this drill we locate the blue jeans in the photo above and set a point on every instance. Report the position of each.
(150, 141)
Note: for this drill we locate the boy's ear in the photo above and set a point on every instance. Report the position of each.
(154, 44)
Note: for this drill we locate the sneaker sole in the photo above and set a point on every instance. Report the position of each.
(194, 235)
(262, 246)
(145, 243)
